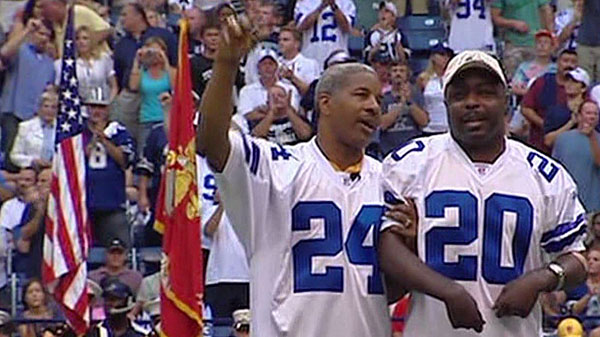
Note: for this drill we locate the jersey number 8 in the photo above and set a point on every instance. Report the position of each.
(305, 251)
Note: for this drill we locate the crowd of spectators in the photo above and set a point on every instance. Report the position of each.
(126, 66)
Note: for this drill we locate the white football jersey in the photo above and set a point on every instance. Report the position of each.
(471, 26)
(309, 231)
(325, 36)
(483, 225)
(227, 260)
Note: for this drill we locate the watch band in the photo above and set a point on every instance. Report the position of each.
(559, 271)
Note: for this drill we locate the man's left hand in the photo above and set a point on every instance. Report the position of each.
(519, 296)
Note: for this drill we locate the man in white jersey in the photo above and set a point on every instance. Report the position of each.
(309, 215)
(495, 217)
(326, 25)
(471, 25)
(227, 274)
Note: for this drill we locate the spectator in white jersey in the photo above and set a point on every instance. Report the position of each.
(385, 37)
(253, 97)
(464, 185)
(325, 25)
(296, 68)
(471, 25)
(227, 276)
(281, 123)
(566, 25)
(280, 198)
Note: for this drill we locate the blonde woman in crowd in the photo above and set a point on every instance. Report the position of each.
(430, 83)
(95, 68)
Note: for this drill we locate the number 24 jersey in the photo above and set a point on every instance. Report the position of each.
(309, 232)
(483, 229)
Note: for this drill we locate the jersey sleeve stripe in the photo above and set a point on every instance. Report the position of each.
(246, 148)
(255, 158)
(563, 235)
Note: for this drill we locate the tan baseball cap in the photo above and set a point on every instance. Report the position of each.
(472, 59)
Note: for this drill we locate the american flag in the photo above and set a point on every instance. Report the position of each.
(67, 239)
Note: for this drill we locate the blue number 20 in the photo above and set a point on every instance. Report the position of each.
(496, 206)
(332, 244)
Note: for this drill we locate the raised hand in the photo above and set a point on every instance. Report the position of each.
(237, 38)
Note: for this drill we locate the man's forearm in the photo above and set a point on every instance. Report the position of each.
(405, 269)
(532, 117)
(575, 273)
(547, 17)
(216, 108)
(501, 21)
(310, 19)
(261, 130)
(341, 20)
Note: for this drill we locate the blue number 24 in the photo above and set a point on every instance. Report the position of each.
(465, 233)
(332, 244)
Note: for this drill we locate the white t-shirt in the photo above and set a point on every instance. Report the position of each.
(434, 105)
(90, 74)
(308, 231)
(325, 36)
(227, 261)
(484, 230)
(471, 26)
(303, 67)
(255, 94)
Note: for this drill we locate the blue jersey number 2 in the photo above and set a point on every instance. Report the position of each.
(332, 280)
(495, 207)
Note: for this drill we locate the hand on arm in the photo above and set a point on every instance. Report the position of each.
(520, 295)
(405, 269)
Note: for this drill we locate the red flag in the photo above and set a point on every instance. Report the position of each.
(178, 214)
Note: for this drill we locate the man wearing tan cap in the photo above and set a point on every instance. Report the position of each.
(489, 213)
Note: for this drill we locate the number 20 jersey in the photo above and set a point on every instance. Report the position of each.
(483, 230)
(309, 232)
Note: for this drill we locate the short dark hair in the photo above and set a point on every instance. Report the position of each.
(571, 51)
(212, 22)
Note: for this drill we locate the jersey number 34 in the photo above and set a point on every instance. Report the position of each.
(332, 280)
